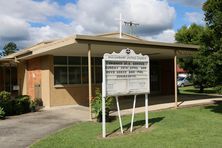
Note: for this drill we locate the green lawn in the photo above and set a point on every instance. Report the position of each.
(187, 127)
(193, 90)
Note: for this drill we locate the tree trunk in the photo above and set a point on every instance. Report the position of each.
(201, 88)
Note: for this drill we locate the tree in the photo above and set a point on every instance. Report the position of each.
(190, 35)
(213, 18)
(9, 49)
(195, 65)
(206, 64)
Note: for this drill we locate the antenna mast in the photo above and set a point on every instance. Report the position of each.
(120, 25)
(130, 24)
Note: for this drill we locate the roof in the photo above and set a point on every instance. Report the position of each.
(108, 38)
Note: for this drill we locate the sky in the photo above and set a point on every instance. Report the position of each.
(28, 22)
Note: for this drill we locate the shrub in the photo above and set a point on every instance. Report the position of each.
(17, 106)
(219, 89)
(22, 104)
(4, 96)
(38, 101)
(9, 107)
(96, 105)
(2, 113)
(32, 106)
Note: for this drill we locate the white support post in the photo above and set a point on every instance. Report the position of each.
(120, 120)
(103, 102)
(146, 110)
(104, 116)
(133, 113)
(90, 81)
(175, 80)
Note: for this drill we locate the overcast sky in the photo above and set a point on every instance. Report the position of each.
(27, 22)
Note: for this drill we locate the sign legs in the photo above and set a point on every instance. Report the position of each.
(120, 120)
(104, 117)
(146, 110)
(133, 112)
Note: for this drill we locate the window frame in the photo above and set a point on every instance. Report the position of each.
(93, 68)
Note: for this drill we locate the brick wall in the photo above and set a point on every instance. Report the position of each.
(33, 75)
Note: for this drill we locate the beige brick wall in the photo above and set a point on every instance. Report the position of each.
(33, 75)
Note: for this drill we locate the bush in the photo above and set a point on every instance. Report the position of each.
(22, 104)
(5, 96)
(2, 113)
(9, 107)
(17, 106)
(38, 101)
(219, 89)
(33, 106)
(96, 105)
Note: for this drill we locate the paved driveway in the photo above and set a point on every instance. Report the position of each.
(23, 130)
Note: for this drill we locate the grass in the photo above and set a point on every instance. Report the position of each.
(193, 90)
(187, 127)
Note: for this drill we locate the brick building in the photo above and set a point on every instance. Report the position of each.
(58, 71)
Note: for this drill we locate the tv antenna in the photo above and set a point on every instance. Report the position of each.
(127, 23)
(131, 25)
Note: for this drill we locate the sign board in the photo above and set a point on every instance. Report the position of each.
(15, 87)
(125, 73)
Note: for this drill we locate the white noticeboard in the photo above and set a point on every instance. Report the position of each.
(125, 73)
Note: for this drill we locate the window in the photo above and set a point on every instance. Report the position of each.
(74, 70)
(98, 70)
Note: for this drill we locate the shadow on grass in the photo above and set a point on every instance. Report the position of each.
(216, 108)
(138, 124)
(198, 91)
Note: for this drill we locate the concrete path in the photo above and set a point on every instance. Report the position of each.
(21, 131)
(207, 99)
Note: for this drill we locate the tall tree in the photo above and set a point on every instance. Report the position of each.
(198, 70)
(213, 18)
(9, 49)
(206, 65)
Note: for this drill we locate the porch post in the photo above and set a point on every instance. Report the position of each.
(175, 78)
(89, 79)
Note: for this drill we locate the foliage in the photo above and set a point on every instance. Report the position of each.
(219, 89)
(16, 106)
(2, 113)
(32, 106)
(199, 64)
(22, 104)
(38, 101)
(9, 49)
(190, 35)
(206, 65)
(97, 103)
(4, 95)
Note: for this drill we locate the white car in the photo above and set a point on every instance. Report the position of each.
(183, 81)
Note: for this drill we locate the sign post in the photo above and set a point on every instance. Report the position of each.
(125, 73)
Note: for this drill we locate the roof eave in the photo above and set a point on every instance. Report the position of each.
(97, 39)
